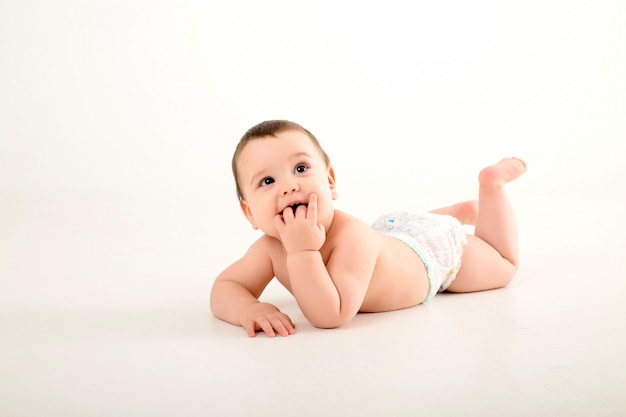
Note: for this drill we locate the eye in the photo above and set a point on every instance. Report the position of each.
(266, 181)
(300, 168)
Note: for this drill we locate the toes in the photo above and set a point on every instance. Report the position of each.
(504, 171)
(520, 161)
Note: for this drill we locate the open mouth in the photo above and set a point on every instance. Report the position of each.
(294, 207)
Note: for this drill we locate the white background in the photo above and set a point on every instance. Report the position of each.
(118, 120)
(110, 95)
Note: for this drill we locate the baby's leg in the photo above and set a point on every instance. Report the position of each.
(465, 212)
(490, 258)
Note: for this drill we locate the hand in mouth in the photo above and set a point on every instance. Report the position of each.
(294, 207)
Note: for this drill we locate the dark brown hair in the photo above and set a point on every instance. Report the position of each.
(269, 128)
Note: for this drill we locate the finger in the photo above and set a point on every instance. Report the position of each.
(279, 222)
(301, 212)
(267, 327)
(289, 325)
(311, 214)
(286, 322)
(288, 214)
(280, 327)
(249, 328)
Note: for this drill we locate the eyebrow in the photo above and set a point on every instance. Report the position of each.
(261, 173)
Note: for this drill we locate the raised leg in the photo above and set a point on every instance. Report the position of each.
(490, 258)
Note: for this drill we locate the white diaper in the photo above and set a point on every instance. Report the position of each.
(437, 239)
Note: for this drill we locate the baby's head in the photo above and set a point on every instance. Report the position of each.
(270, 128)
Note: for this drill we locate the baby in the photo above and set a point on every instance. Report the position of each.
(336, 265)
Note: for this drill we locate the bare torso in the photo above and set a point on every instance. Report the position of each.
(399, 278)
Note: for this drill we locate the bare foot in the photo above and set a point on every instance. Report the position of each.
(495, 176)
(465, 211)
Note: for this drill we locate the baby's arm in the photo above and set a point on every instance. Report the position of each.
(331, 294)
(235, 293)
(328, 294)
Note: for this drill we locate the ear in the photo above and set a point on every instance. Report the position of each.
(332, 182)
(248, 213)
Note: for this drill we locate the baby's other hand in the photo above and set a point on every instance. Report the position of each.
(267, 318)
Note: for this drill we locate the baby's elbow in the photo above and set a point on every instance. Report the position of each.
(509, 277)
(326, 325)
(506, 279)
(328, 322)
(506, 282)
(331, 317)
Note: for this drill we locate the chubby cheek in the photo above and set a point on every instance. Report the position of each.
(264, 220)
(325, 210)
(269, 229)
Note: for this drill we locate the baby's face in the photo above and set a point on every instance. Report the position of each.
(280, 172)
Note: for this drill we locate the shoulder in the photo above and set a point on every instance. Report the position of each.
(346, 223)
(349, 230)
(264, 247)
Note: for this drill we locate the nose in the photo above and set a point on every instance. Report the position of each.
(290, 186)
